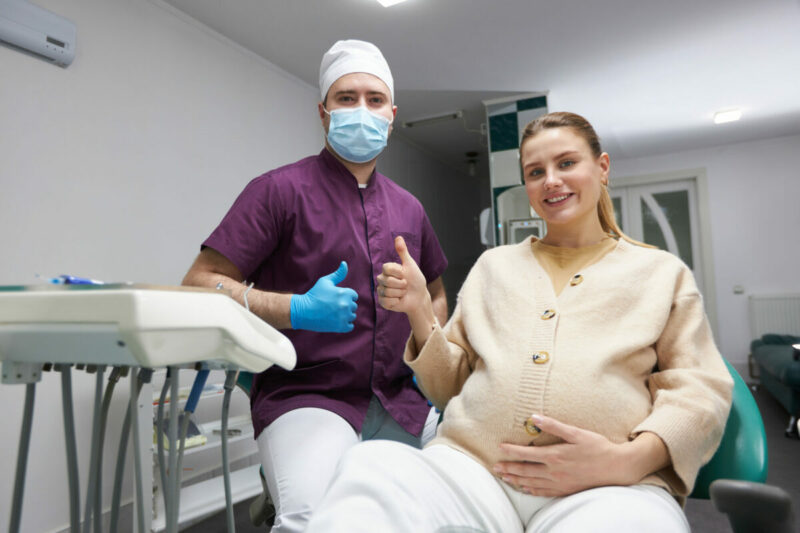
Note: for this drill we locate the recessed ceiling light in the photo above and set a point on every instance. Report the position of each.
(729, 115)
(389, 3)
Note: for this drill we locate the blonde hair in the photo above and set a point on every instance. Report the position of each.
(581, 126)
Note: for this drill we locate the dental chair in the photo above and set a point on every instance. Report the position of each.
(742, 452)
(733, 479)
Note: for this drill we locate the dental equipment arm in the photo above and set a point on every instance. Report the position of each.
(123, 326)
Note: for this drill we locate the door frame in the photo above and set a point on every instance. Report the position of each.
(704, 231)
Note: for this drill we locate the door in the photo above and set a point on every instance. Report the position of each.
(665, 215)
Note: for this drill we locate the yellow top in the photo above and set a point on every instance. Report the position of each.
(563, 265)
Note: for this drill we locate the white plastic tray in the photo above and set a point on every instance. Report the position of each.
(136, 325)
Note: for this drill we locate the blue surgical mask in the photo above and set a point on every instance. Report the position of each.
(357, 134)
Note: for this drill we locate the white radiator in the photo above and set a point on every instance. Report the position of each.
(778, 313)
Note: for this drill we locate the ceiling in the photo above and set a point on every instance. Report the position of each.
(649, 75)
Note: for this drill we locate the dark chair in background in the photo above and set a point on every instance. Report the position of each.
(778, 363)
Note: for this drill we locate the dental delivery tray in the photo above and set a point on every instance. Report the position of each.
(136, 325)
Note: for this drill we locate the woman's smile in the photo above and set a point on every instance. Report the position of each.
(558, 200)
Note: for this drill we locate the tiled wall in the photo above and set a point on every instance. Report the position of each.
(507, 118)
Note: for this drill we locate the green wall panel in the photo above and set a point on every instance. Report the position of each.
(532, 103)
(504, 132)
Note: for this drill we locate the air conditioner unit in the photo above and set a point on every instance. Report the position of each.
(31, 29)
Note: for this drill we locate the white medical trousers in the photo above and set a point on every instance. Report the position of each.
(384, 487)
(300, 450)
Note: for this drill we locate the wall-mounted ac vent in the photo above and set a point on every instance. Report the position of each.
(34, 30)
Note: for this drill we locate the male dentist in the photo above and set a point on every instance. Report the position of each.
(313, 236)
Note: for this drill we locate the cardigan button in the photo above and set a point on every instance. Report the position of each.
(531, 428)
(548, 314)
(577, 279)
(540, 358)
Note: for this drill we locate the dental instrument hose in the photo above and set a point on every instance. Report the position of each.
(171, 510)
(22, 458)
(162, 467)
(188, 409)
(145, 375)
(71, 448)
(142, 377)
(113, 377)
(97, 459)
(230, 381)
(98, 395)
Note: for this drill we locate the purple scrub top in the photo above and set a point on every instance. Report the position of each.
(295, 224)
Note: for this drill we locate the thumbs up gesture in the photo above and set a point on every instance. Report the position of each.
(402, 287)
(325, 307)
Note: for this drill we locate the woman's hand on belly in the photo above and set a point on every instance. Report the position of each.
(584, 460)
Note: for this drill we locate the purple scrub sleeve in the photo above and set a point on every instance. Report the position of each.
(297, 223)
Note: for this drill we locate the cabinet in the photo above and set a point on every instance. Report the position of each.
(202, 488)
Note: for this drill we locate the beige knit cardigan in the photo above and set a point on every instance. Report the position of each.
(629, 350)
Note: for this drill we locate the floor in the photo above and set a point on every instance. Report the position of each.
(784, 471)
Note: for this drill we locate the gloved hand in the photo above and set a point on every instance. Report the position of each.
(325, 307)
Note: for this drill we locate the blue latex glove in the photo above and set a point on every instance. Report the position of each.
(325, 307)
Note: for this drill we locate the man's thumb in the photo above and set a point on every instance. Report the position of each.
(402, 250)
(341, 273)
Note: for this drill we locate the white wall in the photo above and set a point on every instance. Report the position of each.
(754, 191)
(120, 165)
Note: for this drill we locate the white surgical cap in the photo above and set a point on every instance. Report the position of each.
(350, 56)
